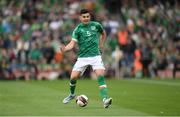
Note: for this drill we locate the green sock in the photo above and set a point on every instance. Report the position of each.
(72, 86)
(102, 87)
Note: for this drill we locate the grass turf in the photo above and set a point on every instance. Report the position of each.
(130, 97)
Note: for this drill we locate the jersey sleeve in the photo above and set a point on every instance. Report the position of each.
(75, 34)
(99, 27)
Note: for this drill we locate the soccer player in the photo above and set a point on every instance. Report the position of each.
(90, 37)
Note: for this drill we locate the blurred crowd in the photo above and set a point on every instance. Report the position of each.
(143, 37)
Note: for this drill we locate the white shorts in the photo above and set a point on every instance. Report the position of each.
(82, 63)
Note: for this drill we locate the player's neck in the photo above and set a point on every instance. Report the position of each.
(86, 24)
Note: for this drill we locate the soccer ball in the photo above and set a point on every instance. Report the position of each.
(82, 100)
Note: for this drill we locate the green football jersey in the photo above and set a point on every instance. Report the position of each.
(87, 37)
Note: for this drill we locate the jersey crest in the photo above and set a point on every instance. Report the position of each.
(82, 30)
(93, 28)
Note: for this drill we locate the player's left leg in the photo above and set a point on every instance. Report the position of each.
(103, 88)
(101, 82)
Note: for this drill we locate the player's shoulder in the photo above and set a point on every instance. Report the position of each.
(78, 27)
(95, 22)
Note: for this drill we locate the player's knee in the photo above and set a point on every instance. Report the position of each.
(73, 78)
(75, 75)
(99, 72)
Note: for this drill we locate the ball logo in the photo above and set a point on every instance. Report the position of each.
(82, 100)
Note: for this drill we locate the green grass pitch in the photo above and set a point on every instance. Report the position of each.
(130, 97)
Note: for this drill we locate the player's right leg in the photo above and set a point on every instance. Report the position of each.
(74, 76)
(78, 69)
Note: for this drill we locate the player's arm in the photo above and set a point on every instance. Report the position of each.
(68, 47)
(102, 40)
(72, 43)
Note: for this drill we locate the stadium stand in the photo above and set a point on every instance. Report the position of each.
(143, 37)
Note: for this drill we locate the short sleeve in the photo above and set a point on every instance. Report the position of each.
(75, 34)
(99, 27)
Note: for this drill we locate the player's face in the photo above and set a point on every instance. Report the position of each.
(85, 18)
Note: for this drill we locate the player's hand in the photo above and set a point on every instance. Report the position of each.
(101, 49)
(62, 48)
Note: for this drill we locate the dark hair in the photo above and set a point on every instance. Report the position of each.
(83, 11)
